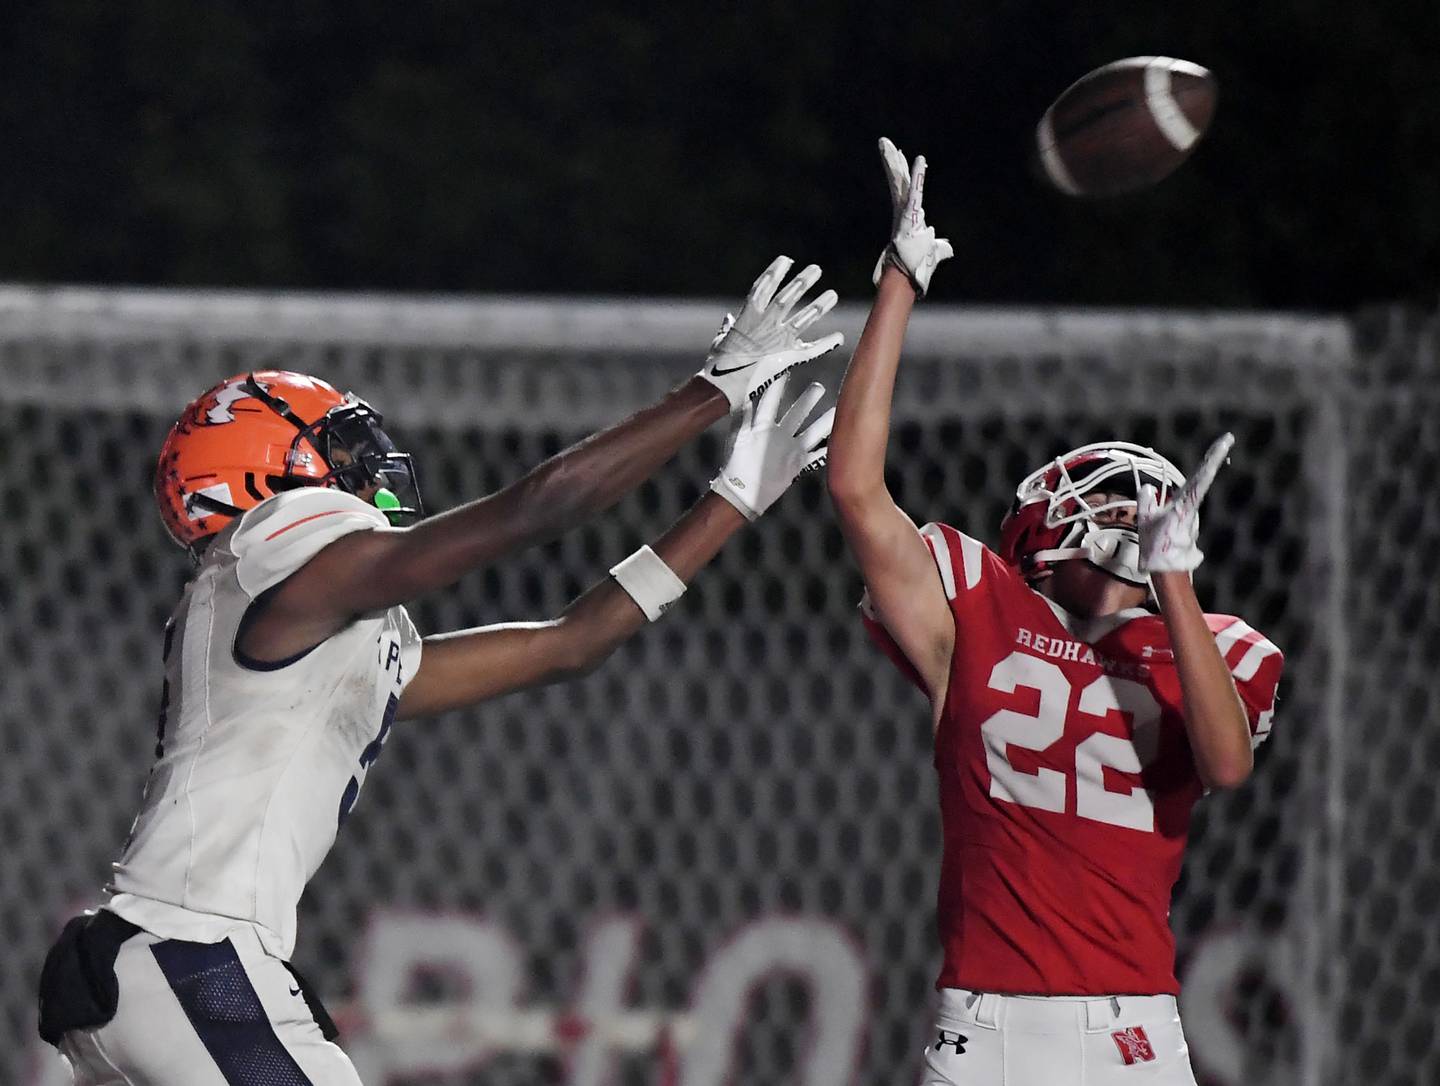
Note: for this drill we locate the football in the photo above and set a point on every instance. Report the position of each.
(1125, 126)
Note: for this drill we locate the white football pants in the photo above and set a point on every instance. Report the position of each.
(195, 1014)
(982, 1039)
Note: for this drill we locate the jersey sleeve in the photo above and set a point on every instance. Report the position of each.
(1255, 663)
(280, 535)
(968, 570)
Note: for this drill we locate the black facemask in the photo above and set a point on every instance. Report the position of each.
(374, 461)
(354, 426)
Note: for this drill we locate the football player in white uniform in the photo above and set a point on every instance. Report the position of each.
(290, 657)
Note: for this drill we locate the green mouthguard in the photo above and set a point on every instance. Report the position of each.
(386, 501)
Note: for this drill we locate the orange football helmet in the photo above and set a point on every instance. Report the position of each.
(258, 434)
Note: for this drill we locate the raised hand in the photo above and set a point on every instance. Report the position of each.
(752, 350)
(767, 454)
(913, 248)
(1168, 533)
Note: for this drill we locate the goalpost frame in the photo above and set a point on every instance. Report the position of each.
(578, 364)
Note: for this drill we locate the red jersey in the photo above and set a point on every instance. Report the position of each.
(1066, 782)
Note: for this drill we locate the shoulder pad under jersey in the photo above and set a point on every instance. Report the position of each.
(281, 534)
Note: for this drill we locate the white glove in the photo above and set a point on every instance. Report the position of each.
(766, 455)
(913, 248)
(1168, 533)
(753, 349)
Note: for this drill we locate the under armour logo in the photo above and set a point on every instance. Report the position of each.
(956, 1040)
(1134, 1046)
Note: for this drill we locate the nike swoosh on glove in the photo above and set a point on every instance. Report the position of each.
(763, 342)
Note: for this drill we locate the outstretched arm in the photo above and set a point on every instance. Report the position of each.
(899, 572)
(471, 666)
(369, 571)
(1215, 719)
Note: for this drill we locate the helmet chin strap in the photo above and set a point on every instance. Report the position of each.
(1115, 550)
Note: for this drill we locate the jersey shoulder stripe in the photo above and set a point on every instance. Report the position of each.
(940, 552)
(1228, 630)
(1256, 663)
(1249, 664)
(972, 554)
(1243, 647)
(944, 542)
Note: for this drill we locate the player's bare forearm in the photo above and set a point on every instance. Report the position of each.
(471, 666)
(895, 562)
(565, 490)
(904, 588)
(369, 571)
(856, 469)
(605, 616)
(1215, 719)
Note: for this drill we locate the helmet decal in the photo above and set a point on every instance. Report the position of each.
(218, 413)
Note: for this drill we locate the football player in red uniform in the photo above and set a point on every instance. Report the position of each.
(1082, 702)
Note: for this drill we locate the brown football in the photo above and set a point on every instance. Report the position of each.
(1125, 126)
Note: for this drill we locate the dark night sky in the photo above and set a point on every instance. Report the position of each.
(583, 148)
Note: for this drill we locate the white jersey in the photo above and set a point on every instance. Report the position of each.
(258, 763)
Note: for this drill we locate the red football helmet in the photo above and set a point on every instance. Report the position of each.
(1052, 522)
(257, 434)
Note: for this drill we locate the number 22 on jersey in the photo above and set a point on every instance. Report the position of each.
(1046, 789)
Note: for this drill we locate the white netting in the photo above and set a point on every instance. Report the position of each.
(734, 820)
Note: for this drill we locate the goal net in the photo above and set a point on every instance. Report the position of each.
(714, 860)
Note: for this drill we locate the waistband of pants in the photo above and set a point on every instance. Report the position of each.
(1054, 1014)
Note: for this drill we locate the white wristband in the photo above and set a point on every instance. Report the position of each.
(649, 581)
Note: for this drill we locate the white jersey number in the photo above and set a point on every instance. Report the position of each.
(1045, 789)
